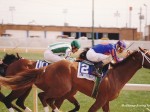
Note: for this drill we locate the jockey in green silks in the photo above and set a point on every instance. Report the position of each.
(55, 51)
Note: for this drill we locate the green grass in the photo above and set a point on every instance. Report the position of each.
(128, 101)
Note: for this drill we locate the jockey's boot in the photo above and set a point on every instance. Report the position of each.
(96, 73)
(98, 68)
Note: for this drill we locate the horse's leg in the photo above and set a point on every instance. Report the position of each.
(21, 99)
(58, 102)
(106, 107)
(100, 102)
(44, 100)
(2, 98)
(12, 96)
(70, 97)
(51, 103)
(75, 102)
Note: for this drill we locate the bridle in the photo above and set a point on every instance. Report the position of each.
(145, 57)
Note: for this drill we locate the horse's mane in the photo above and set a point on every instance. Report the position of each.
(124, 60)
(9, 58)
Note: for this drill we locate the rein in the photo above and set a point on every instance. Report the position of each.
(145, 57)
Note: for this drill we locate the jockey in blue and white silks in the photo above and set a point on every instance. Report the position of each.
(53, 52)
(105, 52)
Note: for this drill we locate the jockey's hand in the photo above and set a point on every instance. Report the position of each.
(120, 59)
(128, 52)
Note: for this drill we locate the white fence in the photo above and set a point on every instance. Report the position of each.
(137, 87)
(42, 43)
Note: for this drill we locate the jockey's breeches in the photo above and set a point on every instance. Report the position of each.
(51, 57)
(97, 57)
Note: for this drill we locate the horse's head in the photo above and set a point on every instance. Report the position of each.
(141, 57)
(144, 57)
(7, 60)
(10, 58)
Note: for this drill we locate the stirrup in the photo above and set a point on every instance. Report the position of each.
(96, 73)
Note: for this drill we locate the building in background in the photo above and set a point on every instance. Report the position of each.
(147, 32)
(37, 31)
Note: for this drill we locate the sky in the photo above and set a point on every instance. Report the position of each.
(107, 13)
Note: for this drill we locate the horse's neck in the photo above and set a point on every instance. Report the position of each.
(125, 72)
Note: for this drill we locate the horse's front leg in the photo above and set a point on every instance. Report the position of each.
(21, 99)
(73, 100)
(100, 102)
(70, 97)
(106, 107)
(43, 101)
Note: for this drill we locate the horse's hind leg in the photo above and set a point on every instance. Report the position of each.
(106, 107)
(44, 100)
(21, 99)
(7, 101)
(2, 97)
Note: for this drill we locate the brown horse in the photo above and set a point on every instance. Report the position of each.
(6, 61)
(21, 94)
(60, 79)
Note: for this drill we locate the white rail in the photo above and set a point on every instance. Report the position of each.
(137, 87)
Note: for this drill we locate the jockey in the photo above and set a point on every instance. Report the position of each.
(54, 51)
(105, 52)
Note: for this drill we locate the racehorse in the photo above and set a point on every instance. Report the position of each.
(9, 68)
(6, 61)
(60, 79)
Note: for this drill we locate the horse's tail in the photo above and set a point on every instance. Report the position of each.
(22, 79)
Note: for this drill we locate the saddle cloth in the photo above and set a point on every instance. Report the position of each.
(85, 71)
(41, 63)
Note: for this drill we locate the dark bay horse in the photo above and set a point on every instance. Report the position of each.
(11, 67)
(6, 61)
(59, 80)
